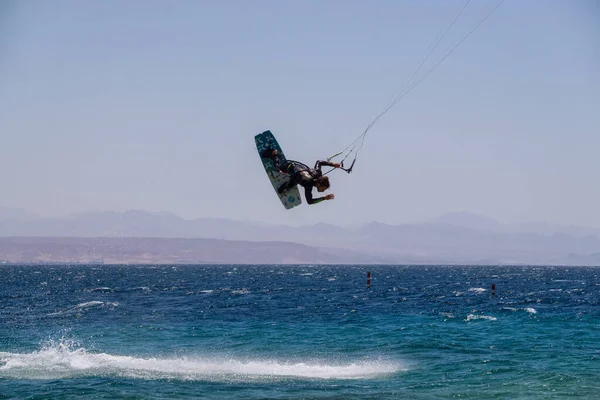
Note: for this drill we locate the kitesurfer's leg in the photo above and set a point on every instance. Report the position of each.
(288, 169)
(285, 168)
(286, 186)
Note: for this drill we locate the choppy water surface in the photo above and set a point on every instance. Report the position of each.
(257, 332)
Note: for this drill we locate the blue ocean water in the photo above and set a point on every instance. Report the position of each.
(298, 332)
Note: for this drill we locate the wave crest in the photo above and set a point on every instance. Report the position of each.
(64, 359)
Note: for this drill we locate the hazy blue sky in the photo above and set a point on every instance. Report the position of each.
(112, 105)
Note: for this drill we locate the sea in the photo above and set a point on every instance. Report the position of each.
(299, 332)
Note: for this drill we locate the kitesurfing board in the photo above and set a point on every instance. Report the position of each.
(291, 197)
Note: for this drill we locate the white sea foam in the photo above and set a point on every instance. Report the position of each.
(63, 359)
(477, 290)
(96, 303)
(93, 303)
(472, 317)
(99, 289)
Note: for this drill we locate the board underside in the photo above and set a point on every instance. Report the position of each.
(291, 197)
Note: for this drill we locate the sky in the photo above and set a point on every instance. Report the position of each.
(154, 105)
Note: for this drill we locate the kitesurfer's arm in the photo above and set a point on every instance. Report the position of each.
(311, 200)
(321, 163)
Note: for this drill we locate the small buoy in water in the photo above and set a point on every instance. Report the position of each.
(368, 279)
(493, 289)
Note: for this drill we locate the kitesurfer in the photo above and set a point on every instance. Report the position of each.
(301, 174)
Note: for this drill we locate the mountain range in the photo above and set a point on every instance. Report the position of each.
(454, 238)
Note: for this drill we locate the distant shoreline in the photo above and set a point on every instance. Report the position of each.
(20, 250)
